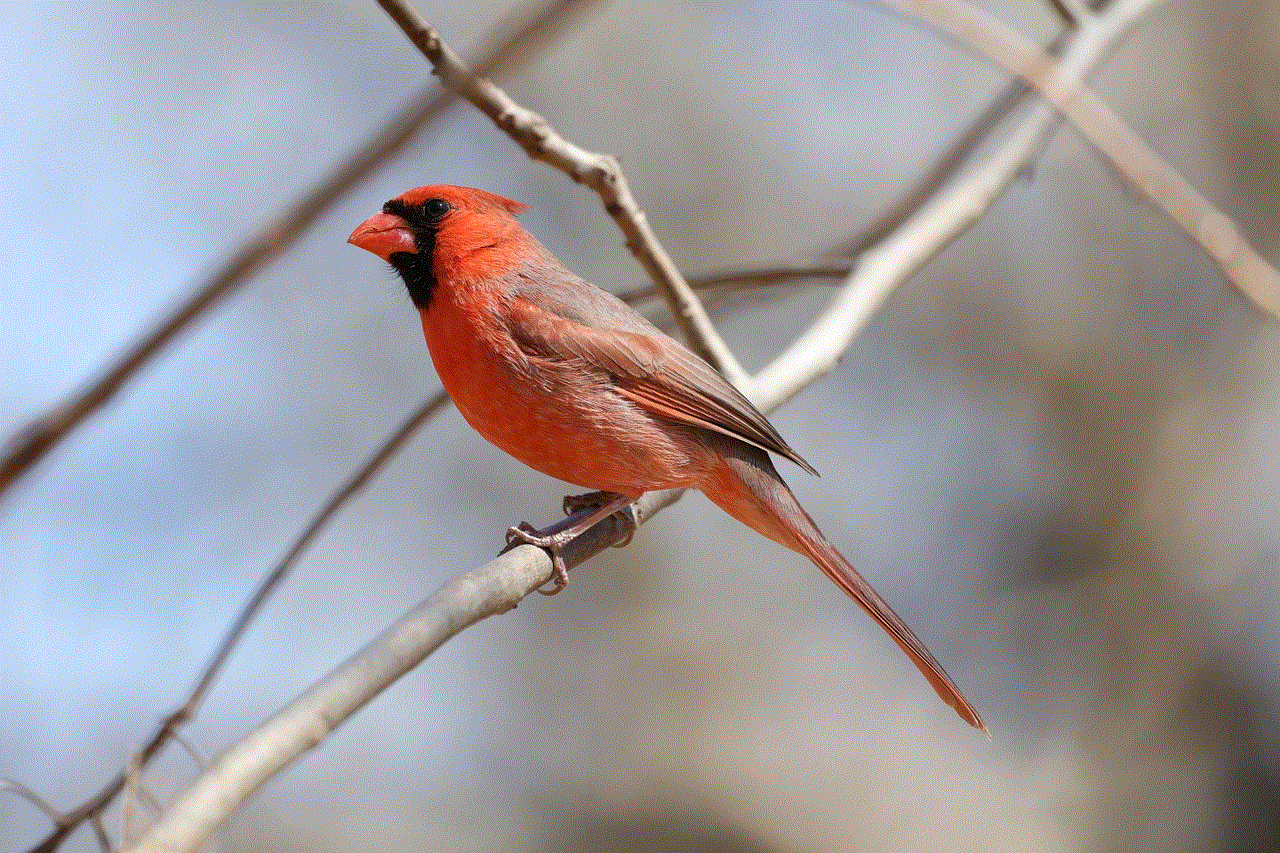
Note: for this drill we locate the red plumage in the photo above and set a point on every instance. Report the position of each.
(571, 381)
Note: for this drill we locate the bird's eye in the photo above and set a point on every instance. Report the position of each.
(436, 208)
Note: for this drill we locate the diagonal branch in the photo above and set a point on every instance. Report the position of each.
(599, 171)
(302, 724)
(31, 442)
(1137, 161)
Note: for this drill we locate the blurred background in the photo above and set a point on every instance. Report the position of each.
(1054, 450)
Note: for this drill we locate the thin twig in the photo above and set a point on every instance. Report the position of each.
(750, 277)
(600, 172)
(1070, 11)
(32, 441)
(947, 164)
(1137, 161)
(197, 757)
(100, 830)
(953, 157)
(31, 796)
(945, 167)
(494, 588)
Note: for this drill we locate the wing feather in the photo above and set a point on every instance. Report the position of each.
(646, 366)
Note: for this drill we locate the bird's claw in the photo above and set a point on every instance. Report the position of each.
(526, 533)
(604, 503)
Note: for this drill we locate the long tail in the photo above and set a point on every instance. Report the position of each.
(747, 487)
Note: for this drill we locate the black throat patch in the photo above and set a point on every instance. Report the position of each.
(416, 268)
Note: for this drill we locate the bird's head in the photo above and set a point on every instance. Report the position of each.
(437, 231)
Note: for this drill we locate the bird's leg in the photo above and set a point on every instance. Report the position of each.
(606, 503)
(574, 503)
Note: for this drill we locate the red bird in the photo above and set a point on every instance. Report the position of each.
(574, 383)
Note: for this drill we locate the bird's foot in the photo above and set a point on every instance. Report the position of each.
(604, 504)
(553, 543)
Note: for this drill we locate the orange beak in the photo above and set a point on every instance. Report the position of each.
(384, 234)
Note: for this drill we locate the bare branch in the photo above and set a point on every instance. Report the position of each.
(939, 222)
(783, 272)
(943, 170)
(197, 758)
(1137, 161)
(827, 263)
(824, 264)
(945, 167)
(491, 589)
(1072, 12)
(600, 172)
(31, 442)
(100, 830)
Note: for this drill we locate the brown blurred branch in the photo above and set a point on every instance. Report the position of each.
(600, 172)
(1137, 161)
(28, 444)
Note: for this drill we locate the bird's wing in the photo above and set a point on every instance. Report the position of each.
(646, 366)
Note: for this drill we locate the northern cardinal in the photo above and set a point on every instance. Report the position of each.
(573, 382)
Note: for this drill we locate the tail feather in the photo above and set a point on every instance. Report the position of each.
(747, 487)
